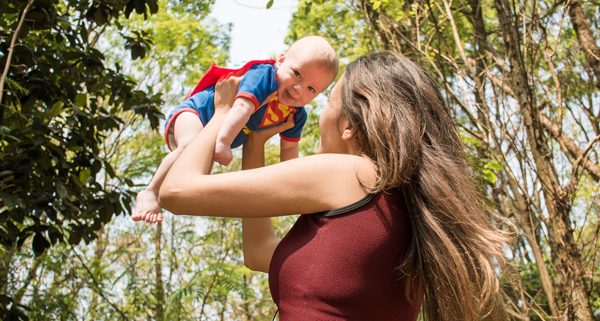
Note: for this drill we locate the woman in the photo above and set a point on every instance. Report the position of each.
(392, 217)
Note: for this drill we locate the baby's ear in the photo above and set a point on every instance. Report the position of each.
(281, 58)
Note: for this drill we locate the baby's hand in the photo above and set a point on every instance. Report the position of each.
(223, 154)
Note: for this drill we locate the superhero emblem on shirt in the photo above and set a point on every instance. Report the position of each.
(275, 113)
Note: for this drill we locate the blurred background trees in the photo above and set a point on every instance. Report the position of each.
(80, 111)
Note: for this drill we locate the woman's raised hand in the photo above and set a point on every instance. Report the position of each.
(225, 91)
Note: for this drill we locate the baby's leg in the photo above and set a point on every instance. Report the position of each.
(233, 123)
(187, 126)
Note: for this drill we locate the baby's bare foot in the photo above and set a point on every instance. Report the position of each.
(147, 208)
(223, 154)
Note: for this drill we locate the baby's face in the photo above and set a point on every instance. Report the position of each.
(300, 79)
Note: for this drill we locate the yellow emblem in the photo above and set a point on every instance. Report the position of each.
(275, 113)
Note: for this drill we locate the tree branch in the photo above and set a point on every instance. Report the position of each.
(585, 36)
(95, 282)
(570, 147)
(12, 47)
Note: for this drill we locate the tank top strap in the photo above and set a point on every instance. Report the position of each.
(348, 208)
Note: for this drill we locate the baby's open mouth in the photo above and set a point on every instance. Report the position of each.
(288, 95)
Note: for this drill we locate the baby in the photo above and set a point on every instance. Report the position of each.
(269, 93)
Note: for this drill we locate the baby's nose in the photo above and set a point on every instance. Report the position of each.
(297, 87)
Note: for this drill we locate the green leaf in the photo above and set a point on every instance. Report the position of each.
(99, 17)
(16, 86)
(140, 6)
(307, 8)
(109, 210)
(129, 8)
(489, 176)
(84, 34)
(269, 4)
(84, 175)
(38, 139)
(9, 200)
(8, 11)
(493, 165)
(153, 6)
(109, 170)
(75, 237)
(376, 5)
(56, 109)
(61, 190)
(40, 244)
(81, 100)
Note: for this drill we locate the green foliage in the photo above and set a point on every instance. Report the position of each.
(184, 44)
(67, 164)
(335, 20)
(78, 124)
(60, 104)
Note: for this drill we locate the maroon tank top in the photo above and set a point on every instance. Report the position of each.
(340, 265)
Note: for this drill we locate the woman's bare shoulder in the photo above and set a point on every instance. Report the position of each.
(331, 180)
(349, 174)
(363, 167)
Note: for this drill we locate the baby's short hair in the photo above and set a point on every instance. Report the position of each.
(321, 50)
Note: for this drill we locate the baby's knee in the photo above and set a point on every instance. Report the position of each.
(187, 126)
(180, 147)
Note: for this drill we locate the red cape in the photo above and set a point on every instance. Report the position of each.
(215, 72)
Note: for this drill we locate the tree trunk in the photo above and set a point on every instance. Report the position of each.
(585, 37)
(523, 213)
(159, 291)
(572, 295)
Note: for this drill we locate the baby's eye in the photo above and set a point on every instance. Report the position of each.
(312, 90)
(297, 73)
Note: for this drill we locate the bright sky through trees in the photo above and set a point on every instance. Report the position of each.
(257, 32)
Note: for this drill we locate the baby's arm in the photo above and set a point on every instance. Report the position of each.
(288, 150)
(234, 121)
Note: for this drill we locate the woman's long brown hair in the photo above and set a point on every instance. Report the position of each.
(402, 124)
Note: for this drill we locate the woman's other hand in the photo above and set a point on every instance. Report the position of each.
(260, 137)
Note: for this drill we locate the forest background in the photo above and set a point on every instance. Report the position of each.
(84, 83)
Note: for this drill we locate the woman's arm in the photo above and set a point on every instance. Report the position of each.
(300, 186)
(259, 238)
(288, 150)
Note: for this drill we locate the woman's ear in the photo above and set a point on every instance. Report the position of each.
(346, 129)
(349, 137)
